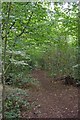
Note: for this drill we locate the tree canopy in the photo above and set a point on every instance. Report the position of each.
(42, 33)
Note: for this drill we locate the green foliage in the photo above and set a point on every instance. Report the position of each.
(14, 100)
(21, 80)
(40, 36)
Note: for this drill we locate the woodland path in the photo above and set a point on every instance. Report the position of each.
(53, 99)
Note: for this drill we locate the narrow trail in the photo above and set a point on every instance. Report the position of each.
(53, 99)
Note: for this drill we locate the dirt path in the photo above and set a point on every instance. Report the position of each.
(53, 99)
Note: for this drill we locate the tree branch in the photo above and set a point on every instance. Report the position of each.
(26, 25)
(12, 25)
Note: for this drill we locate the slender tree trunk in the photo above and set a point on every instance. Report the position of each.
(78, 59)
(79, 41)
(4, 59)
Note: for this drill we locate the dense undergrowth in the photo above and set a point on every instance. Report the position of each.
(15, 99)
(16, 94)
(21, 80)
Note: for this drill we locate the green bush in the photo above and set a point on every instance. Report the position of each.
(14, 101)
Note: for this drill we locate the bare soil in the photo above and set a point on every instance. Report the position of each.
(52, 99)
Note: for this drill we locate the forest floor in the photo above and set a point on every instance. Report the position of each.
(52, 98)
